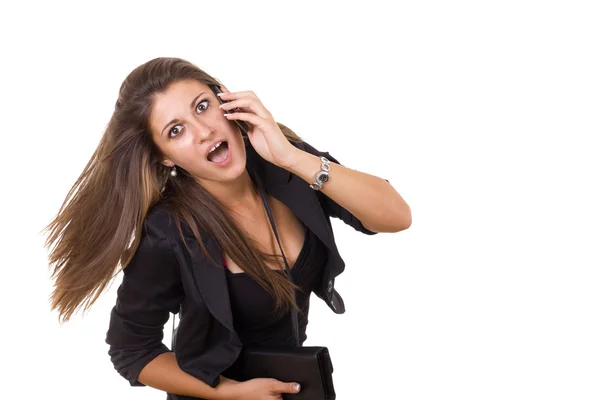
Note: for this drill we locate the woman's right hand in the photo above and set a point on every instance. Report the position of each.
(258, 389)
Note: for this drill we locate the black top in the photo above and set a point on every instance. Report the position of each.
(253, 308)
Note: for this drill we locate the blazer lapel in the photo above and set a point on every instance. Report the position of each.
(303, 202)
(211, 282)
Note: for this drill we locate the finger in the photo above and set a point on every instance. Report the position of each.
(287, 387)
(231, 96)
(249, 117)
(249, 105)
(237, 95)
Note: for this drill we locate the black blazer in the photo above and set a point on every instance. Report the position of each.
(162, 278)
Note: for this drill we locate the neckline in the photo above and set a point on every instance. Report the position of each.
(302, 251)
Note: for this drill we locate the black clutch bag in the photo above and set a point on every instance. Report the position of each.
(311, 367)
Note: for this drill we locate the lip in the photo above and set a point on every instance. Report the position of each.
(210, 146)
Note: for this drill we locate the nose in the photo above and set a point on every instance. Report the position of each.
(201, 130)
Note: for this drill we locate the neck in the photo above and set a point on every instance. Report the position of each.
(239, 196)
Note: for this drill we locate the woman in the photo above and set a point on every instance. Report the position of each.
(170, 196)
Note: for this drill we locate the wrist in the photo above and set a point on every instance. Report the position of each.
(322, 176)
(226, 390)
(306, 166)
(292, 159)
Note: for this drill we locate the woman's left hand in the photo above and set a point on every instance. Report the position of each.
(264, 133)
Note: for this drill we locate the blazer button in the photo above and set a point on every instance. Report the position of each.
(329, 286)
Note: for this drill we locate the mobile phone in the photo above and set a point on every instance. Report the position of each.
(242, 124)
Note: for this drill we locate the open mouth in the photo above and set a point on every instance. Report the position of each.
(220, 153)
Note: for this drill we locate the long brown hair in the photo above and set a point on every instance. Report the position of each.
(99, 225)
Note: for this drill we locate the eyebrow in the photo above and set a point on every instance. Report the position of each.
(175, 120)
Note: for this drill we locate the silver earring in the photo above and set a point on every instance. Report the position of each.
(174, 172)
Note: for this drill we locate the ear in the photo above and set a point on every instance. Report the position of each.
(168, 163)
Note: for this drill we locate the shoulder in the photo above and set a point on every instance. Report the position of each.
(160, 221)
(157, 221)
(153, 259)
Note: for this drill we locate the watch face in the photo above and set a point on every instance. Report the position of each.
(322, 176)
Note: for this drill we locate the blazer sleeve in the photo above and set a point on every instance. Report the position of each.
(150, 290)
(331, 208)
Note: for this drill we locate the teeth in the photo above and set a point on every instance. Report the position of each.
(215, 147)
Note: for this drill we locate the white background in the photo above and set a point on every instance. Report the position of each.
(483, 115)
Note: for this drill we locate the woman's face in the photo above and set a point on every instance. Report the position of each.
(186, 122)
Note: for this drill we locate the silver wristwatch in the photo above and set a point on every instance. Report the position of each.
(322, 176)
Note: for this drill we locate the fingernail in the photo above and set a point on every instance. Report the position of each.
(219, 94)
(297, 387)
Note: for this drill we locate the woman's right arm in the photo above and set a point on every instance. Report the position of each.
(164, 373)
(151, 289)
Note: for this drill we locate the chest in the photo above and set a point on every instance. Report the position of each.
(258, 229)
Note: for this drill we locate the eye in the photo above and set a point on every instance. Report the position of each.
(205, 102)
(177, 128)
(173, 129)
